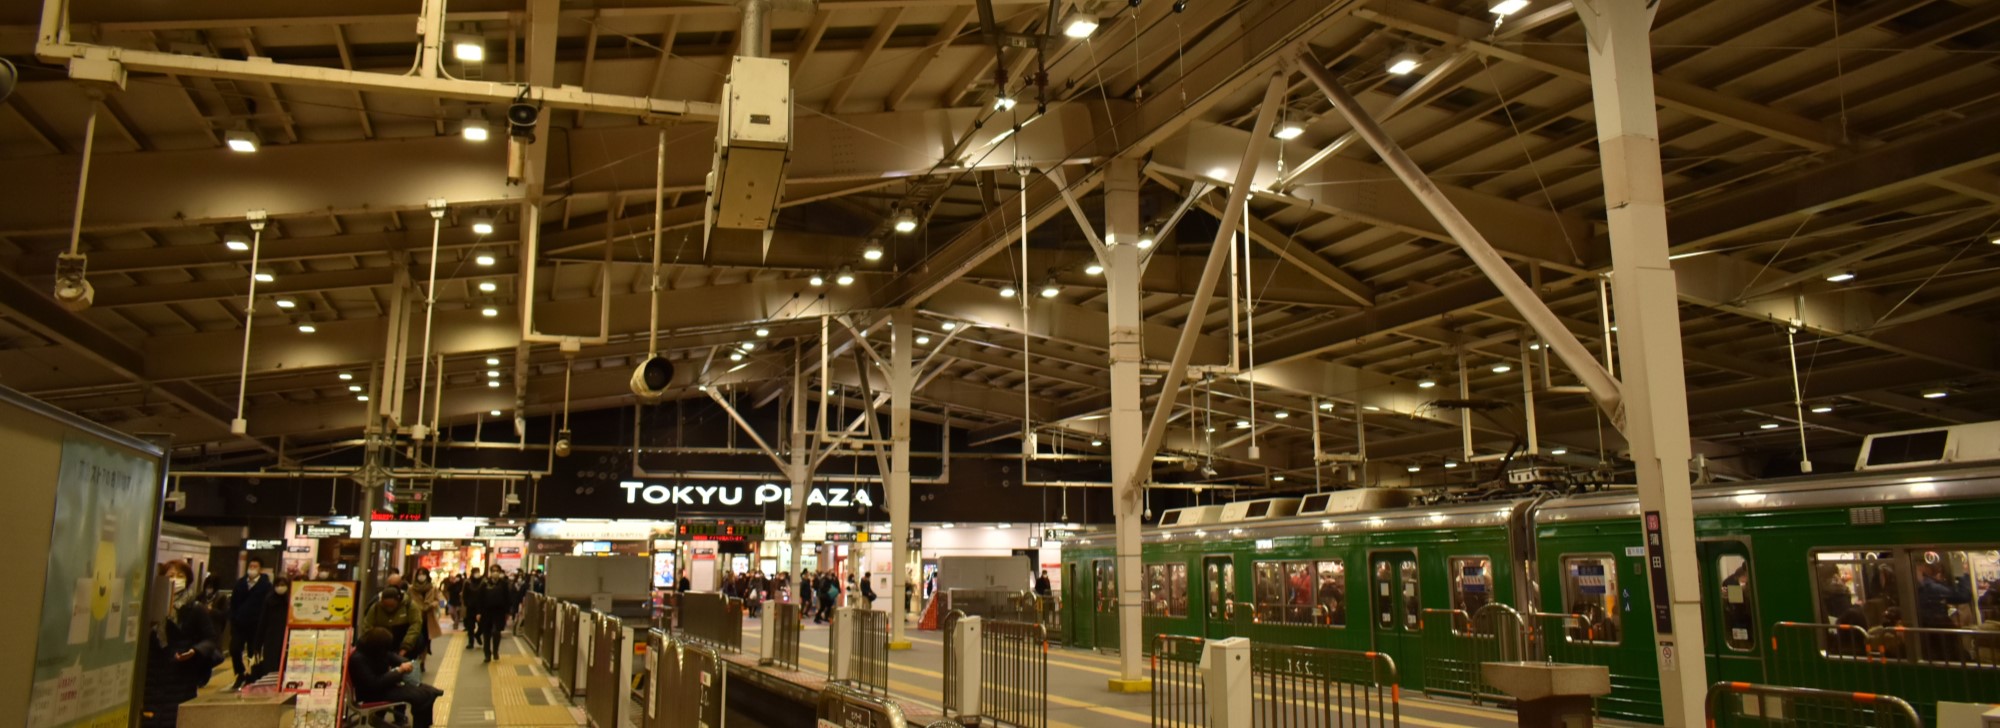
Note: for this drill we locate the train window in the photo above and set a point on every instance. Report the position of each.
(1166, 590)
(1301, 592)
(1471, 588)
(1106, 577)
(1953, 588)
(1220, 584)
(1857, 588)
(1590, 591)
(1739, 616)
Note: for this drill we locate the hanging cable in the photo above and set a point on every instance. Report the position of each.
(240, 425)
(437, 208)
(1798, 398)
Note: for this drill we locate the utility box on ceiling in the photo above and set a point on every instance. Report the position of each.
(753, 141)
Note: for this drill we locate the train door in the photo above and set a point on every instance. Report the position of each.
(1076, 626)
(1104, 602)
(1729, 611)
(1397, 597)
(1218, 580)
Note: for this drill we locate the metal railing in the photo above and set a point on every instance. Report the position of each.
(568, 624)
(546, 633)
(713, 619)
(1180, 699)
(1458, 642)
(1926, 665)
(868, 658)
(849, 708)
(1014, 674)
(1745, 704)
(1012, 605)
(787, 621)
(1312, 686)
(531, 619)
(951, 647)
(602, 701)
(689, 684)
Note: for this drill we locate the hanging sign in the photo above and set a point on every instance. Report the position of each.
(497, 532)
(323, 530)
(263, 544)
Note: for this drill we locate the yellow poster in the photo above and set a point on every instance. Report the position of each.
(322, 604)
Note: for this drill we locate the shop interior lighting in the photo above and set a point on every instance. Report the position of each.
(353, 387)
(923, 340)
(844, 276)
(307, 328)
(469, 48)
(1097, 443)
(818, 280)
(736, 356)
(1003, 102)
(1425, 383)
(1502, 368)
(1288, 131)
(1449, 464)
(475, 129)
(1049, 289)
(492, 374)
(1281, 414)
(1414, 468)
(346, 376)
(482, 227)
(1007, 291)
(492, 384)
(494, 413)
(1840, 276)
(1147, 235)
(1243, 424)
(762, 332)
(1328, 406)
(492, 361)
(1935, 394)
(1079, 25)
(1559, 451)
(287, 303)
(1094, 269)
(360, 398)
(1768, 426)
(265, 277)
(1820, 409)
(949, 325)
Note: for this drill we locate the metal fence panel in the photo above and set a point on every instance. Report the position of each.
(1179, 699)
(1296, 686)
(1456, 643)
(788, 622)
(1014, 674)
(951, 647)
(849, 708)
(868, 664)
(691, 686)
(567, 625)
(1743, 704)
(1922, 665)
(601, 703)
(713, 619)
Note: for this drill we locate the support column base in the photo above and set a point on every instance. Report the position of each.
(1138, 685)
(897, 646)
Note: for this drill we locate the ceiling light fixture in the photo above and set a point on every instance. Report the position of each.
(923, 340)
(1003, 102)
(1007, 291)
(242, 140)
(906, 221)
(353, 387)
(949, 325)
(1559, 451)
(263, 277)
(1425, 383)
(1449, 464)
(1328, 406)
(492, 361)
(1414, 468)
(1288, 131)
(492, 374)
(873, 251)
(492, 384)
(748, 345)
(844, 276)
(469, 48)
(1768, 426)
(495, 413)
(1403, 63)
(360, 398)
(1502, 368)
(1049, 289)
(287, 303)
(1281, 414)
(1821, 409)
(345, 376)
(236, 245)
(1840, 276)
(475, 129)
(483, 259)
(817, 280)
(1079, 25)
(1147, 235)
(1094, 269)
(761, 331)
(1097, 443)
(1277, 478)
(1504, 8)
(736, 356)
(1243, 424)
(487, 287)
(1935, 394)
(482, 227)
(489, 312)
(307, 328)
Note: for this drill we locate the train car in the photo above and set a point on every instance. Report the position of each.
(185, 543)
(1885, 580)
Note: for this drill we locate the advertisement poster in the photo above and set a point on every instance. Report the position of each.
(88, 645)
(322, 604)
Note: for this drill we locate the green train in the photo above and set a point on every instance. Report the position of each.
(1805, 580)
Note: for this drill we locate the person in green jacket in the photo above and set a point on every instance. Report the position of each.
(397, 615)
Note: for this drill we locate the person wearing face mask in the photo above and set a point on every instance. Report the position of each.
(381, 675)
(424, 598)
(246, 610)
(496, 599)
(180, 649)
(472, 594)
(271, 630)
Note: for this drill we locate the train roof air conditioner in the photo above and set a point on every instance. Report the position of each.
(1262, 509)
(1930, 446)
(1353, 501)
(1191, 516)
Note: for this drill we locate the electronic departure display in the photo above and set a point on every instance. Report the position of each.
(721, 529)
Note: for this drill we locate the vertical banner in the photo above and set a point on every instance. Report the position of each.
(88, 645)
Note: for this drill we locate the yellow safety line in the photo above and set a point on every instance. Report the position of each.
(445, 679)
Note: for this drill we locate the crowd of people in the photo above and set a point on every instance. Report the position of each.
(194, 629)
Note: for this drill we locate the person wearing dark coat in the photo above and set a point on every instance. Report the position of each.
(246, 613)
(496, 600)
(271, 631)
(379, 675)
(472, 592)
(181, 653)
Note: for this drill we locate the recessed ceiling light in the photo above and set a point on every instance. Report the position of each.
(488, 286)
(265, 278)
(307, 328)
(1504, 8)
(236, 245)
(1403, 63)
(492, 374)
(483, 259)
(482, 227)
(344, 376)
(287, 303)
(492, 361)
(495, 413)
(489, 312)
(1502, 368)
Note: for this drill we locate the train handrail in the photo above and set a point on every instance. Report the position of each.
(1520, 627)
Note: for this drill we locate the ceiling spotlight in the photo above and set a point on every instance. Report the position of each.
(287, 303)
(1288, 131)
(1425, 383)
(1403, 63)
(487, 287)
(492, 374)
(1768, 426)
(1504, 8)
(1840, 276)
(906, 221)
(1559, 451)
(761, 331)
(1097, 443)
(1534, 346)
(1281, 414)
(1079, 25)
(236, 245)
(492, 384)
(360, 398)
(483, 259)
(1328, 406)
(344, 376)
(353, 387)
(1414, 468)
(818, 280)
(844, 276)
(1277, 478)
(1820, 409)
(494, 413)
(1243, 424)
(492, 361)
(1003, 102)
(736, 356)
(489, 312)
(1094, 269)
(242, 140)
(469, 48)
(1049, 289)
(1935, 394)
(1007, 291)
(482, 227)
(1218, 174)
(475, 129)
(263, 277)
(748, 345)
(1146, 236)
(923, 340)
(1449, 464)
(307, 328)
(1502, 368)
(873, 252)
(949, 325)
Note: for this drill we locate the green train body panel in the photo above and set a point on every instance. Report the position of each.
(1761, 550)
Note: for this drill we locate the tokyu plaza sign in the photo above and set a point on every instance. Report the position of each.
(738, 495)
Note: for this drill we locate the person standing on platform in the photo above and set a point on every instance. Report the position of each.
(246, 612)
(453, 588)
(424, 597)
(469, 608)
(829, 595)
(867, 590)
(271, 630)
(180, 651)
(1042, 586)
(495, 600)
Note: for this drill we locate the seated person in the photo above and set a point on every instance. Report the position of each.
(379, 675)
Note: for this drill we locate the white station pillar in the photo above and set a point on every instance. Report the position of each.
(1655, 390)
(1128, 433)
(903, 321)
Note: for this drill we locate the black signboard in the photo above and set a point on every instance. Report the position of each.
(1656, 565)
(322, 530)
(720, 529)
(496, 532)
(262, 544)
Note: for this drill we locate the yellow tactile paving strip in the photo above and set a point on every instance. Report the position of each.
(510, 694)
(446, 675)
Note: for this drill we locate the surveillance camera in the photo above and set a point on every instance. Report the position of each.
(521, 119)
(73, 290)
(512, 499)
(177, 499)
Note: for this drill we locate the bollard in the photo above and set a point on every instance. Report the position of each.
(966, 659)
(767, 629)
(1225, 667)
(840, 661)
